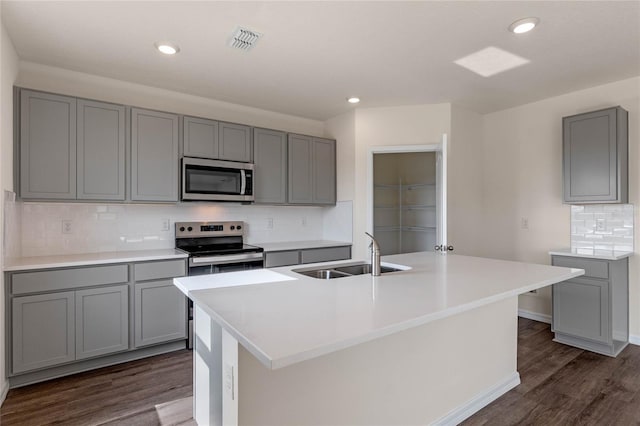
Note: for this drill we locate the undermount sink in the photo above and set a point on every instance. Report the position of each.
(345, 270)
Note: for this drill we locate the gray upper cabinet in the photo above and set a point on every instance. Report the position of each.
(235, 142)
(300, 150)
(154, 156)
(200, 137)
(324, 171)
(595, 157)
(102, 325)
(312, 170)
(101, 151)
(270, 173)
(47, 146)
(42, 330)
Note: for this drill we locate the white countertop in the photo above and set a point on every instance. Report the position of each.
(592, 254)
(300, 245)
(288, 321)
(85, 259)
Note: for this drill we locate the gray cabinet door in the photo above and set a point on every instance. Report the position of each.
(102, 321)
(154, 156)
(581, 308)
(42, 331)
(160, 313)
(235, 142)
(324, 171)
(300, 151)
(47, 146)
(595, 156)
(200, 138)
(101, 144)
(270, 173)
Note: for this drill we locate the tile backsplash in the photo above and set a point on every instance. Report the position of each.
(606, 227)
(117, 227)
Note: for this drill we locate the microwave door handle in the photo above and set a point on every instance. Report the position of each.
(243, 182)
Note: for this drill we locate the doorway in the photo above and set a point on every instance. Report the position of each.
(407, 197)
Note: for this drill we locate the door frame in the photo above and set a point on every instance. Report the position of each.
(440, 149)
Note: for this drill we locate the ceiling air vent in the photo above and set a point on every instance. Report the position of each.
(244, 39)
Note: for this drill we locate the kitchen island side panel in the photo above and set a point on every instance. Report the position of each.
(417, 376)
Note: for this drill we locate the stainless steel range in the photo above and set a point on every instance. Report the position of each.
(215, 247)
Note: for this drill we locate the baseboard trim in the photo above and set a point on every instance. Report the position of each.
(478, 402)
(5, 391)
(534, 316)
(634, 339)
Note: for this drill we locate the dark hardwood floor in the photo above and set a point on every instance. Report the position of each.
(560, 385)
(124, 394)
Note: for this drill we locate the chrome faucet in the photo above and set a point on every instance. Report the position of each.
(375, 256)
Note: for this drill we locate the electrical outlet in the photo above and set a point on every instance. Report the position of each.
(269, 223)
(166, 223)
(304, 221)
(524, 223)
(600, 225)
(67, 227)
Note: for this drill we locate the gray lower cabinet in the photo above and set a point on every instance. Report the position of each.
(66, 320)
(160, 313)
(154, 156)
(43, 330)
(312, 170)
(102, 321)
(200, 137)
(595, 157)
(273, 259)
(270, 173)
(101, 151)
(160, 308)
(592, 311)
(47, 146)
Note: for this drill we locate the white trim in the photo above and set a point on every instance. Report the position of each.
(478, 402)
(5, 391)
(534, 316)
(634, 339)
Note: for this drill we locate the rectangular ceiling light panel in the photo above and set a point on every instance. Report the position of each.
(491, 61)
(244, 39)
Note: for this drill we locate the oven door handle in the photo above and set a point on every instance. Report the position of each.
(224, 259)
(243, 182)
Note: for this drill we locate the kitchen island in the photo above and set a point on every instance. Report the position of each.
(431, 344)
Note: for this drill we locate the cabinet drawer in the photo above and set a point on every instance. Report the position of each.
(157, 270)
(592, 268)
(325, 254)
(281, 258)
(32, 282)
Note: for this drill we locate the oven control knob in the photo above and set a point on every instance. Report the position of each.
(189, 229)
(239, 227)
(233, 227)
(182, 229)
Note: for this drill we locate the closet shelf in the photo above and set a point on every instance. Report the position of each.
(405, 228)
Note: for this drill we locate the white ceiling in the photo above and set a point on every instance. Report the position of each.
(315, 54)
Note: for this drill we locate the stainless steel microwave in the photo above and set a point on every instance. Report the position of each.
(216, 180)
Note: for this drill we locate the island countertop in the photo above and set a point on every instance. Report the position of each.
(282, 317)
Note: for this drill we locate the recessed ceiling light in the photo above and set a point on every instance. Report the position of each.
(490, 61)
(523, 25)
(167, 49)
(353, 100)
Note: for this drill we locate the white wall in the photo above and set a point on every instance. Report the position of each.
(465, 183)
(522, 166)
(8, 73)
(58, 80)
